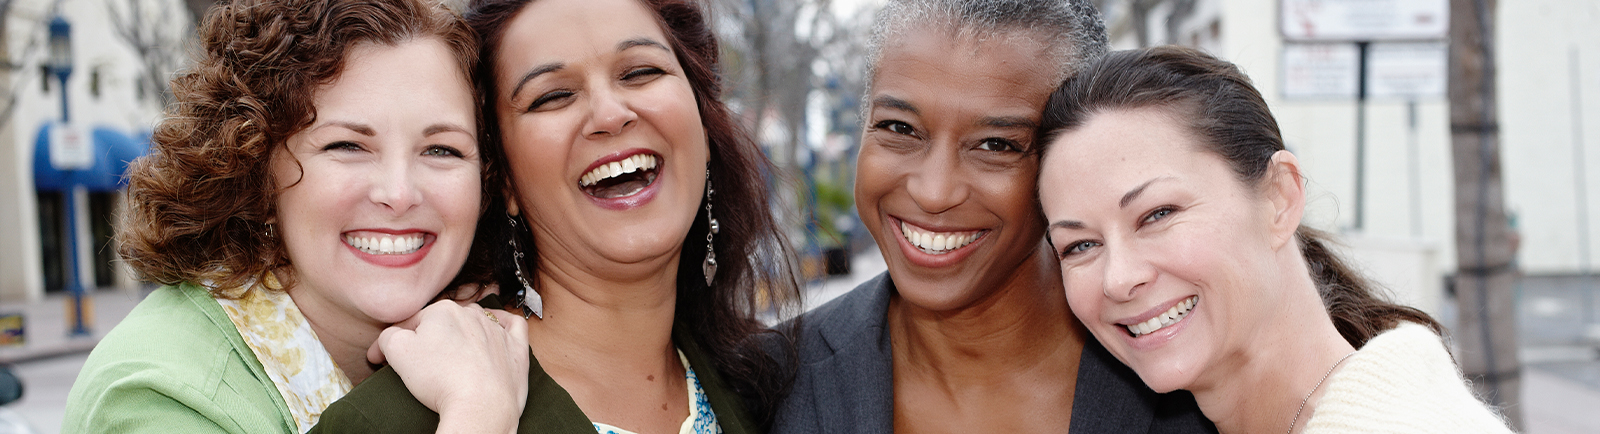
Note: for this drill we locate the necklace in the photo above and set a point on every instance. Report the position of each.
(1314, 391)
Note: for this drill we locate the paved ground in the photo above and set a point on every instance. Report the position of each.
(1561, 353)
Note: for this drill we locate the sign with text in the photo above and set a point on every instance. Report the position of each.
(1363, 20)
(1411, 70)
(71, 148)
(1320, 71)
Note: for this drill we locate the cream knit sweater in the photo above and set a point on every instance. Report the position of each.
(1402, 381)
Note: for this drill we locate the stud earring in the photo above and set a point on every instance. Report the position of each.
(528, 299)
(709, 267)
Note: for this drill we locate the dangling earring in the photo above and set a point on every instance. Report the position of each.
(710, 265)
(528, 299)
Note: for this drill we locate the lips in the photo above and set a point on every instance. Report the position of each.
(389, 247)
(620, 176)
(385, 244)
(937, 243)
(1177, 312)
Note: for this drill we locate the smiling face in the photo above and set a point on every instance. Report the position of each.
(1164, 252)
(608, 155)
(943, 181)
(382, 190)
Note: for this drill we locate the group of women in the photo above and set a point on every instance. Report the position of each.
(539, 216)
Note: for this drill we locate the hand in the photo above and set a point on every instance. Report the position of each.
(462, 363)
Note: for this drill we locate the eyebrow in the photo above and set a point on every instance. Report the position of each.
(1126, 199)
(361, 129)
(1009, 122)
(536, 72)
(557, 66)
(887, 101)
(1134, 193)
(444, 128)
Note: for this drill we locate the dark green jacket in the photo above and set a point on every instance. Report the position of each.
(381, 404)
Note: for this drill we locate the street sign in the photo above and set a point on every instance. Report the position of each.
(1409, 70)
(71, 148)
(1320, 71)
(1366, 20)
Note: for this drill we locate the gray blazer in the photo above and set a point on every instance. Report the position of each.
(844, 383)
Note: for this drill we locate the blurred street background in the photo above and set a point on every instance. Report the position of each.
(1447, 142)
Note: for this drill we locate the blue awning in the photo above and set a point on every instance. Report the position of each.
(113, 150)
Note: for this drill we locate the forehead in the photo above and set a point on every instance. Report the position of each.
(562, 30)
(995, 71)
(1118, 148)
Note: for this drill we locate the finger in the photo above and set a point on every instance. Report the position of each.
(508, 321)
(391, 337)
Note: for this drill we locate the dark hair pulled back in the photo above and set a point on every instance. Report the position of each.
(1233, 121)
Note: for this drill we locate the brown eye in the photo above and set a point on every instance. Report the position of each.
(896, 127)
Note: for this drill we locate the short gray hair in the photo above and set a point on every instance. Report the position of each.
(1071, 29)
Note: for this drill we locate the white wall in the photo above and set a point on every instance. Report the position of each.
(1536, 42)
(94, 46)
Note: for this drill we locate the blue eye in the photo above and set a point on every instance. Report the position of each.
(1078, 247)
(1158, 214)
(442, 151)
(342, 146)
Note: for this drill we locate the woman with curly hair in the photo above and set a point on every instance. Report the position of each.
(319, 179)
(641, 236)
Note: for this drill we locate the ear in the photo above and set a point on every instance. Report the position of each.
(510, 192)
(1285, 189)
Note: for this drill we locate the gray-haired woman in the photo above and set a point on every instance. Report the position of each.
(969, 331)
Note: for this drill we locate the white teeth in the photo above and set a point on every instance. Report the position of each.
(1174, 314)
(386, 245)
(618, 168)
(939, 243)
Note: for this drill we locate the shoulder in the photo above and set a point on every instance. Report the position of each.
(844, 383)
(1402, 380)
(1110, 397)
(175, 353)
(855, 318)
(380, 404)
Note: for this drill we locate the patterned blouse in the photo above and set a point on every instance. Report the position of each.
(700, 421)
(288, 349)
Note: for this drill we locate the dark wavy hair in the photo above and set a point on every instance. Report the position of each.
(756, 263)
(1232, 120)
(199, 202)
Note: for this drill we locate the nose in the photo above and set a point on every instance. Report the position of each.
(609, 113)
(937, 185)
(395, 186)
(1126, 272)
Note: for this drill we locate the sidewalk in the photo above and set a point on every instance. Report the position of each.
(45, 323)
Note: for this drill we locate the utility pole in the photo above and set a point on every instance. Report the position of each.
(1485, 246)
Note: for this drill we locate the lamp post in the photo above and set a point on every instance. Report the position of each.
(60, 64)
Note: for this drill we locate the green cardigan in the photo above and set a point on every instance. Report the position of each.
(175, 364)
(381, 404)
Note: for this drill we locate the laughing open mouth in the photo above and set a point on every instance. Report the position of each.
(620, 178)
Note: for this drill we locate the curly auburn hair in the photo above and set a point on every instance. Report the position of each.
(199, 203)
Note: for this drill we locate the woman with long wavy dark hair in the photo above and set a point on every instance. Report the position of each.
(639, 237)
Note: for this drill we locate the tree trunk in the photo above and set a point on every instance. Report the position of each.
(1485, 250)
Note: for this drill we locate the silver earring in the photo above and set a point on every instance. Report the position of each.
(709, 267)
(528, 299)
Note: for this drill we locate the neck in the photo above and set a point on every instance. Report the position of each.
(996, 335)
(346, 339)
(597, 325)
(1260, 388)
